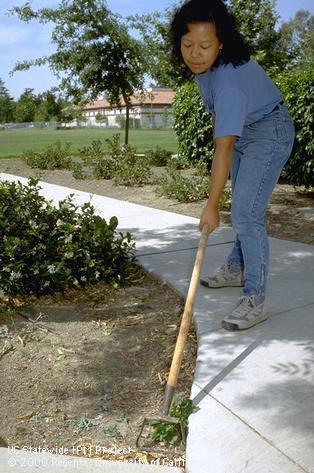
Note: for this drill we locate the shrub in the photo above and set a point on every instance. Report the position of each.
(55, 156)
(182, 188)
(177, 162)
(297, 87)
(78, 171)
(192, 124)
(94, 156)
(189, 189)
(46, 248)
(120, 163)
(130, 170)
(158, 156)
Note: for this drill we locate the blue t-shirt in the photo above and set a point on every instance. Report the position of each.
(238, 96)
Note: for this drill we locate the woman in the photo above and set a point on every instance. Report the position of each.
(253, 137)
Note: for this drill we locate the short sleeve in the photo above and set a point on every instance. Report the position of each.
(230, 106)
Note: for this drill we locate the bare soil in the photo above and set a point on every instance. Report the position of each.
(82, 370)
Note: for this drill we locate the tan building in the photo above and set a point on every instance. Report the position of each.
(153, 109)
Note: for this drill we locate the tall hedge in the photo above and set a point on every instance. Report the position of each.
(297, 87)
(192, 124)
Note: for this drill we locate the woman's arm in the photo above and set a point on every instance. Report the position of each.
(219, 174)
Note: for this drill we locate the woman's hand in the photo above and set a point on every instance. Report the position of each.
(210, 216)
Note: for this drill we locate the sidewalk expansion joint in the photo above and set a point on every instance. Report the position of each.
(271, 315)
(284, 311)
(156, 253)
(269, 442)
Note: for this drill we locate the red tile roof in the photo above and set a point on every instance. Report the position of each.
(155, 97)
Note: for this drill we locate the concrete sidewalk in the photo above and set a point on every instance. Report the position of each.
(254, 388)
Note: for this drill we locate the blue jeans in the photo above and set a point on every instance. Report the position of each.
(259, 156)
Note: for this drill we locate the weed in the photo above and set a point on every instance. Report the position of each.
(132, 311)
(62, 353)
(122, 417)
(170, 434)
(106, 332)
(7, 347)
(112, 431)
(83, 423)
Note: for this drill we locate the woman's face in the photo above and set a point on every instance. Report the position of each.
(200, 46)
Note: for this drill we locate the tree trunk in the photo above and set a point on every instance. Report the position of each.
(127, 118)
(127, 124)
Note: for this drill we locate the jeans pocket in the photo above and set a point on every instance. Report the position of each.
(281, 130)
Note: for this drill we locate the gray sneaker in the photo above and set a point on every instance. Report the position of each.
(223, 277)
(245, 315)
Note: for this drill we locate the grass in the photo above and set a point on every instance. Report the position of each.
(14, 142)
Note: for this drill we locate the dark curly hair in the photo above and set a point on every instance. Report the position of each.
(235, 50)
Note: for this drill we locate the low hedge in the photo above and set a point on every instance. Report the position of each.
(46, 248)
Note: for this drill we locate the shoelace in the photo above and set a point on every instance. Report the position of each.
(245, 303)
(223, 270)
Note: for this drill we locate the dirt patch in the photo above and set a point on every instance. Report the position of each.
(290, 215)
(85, 368)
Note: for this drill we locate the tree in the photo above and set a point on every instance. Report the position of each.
(94, 52)
(256, 21)
(297, 40)
(26, 106)
(7, 105)
(153, 30)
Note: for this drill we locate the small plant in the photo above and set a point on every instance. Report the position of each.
(78, 171)
(158, 156)
(83, 423)
(112, 431)
(55, 156)
(62, 353)
(7, 347)
(182, 188)
(92, 152)
(122, 165)
(202, 168)
(94, 156)
(170, 434)
(177, 162)
(130, 169)
(189, 189)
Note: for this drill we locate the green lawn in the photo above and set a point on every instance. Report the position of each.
(14, 142)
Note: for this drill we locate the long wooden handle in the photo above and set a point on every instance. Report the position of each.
(185, 321)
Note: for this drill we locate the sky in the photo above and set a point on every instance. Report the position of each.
(20, 40)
